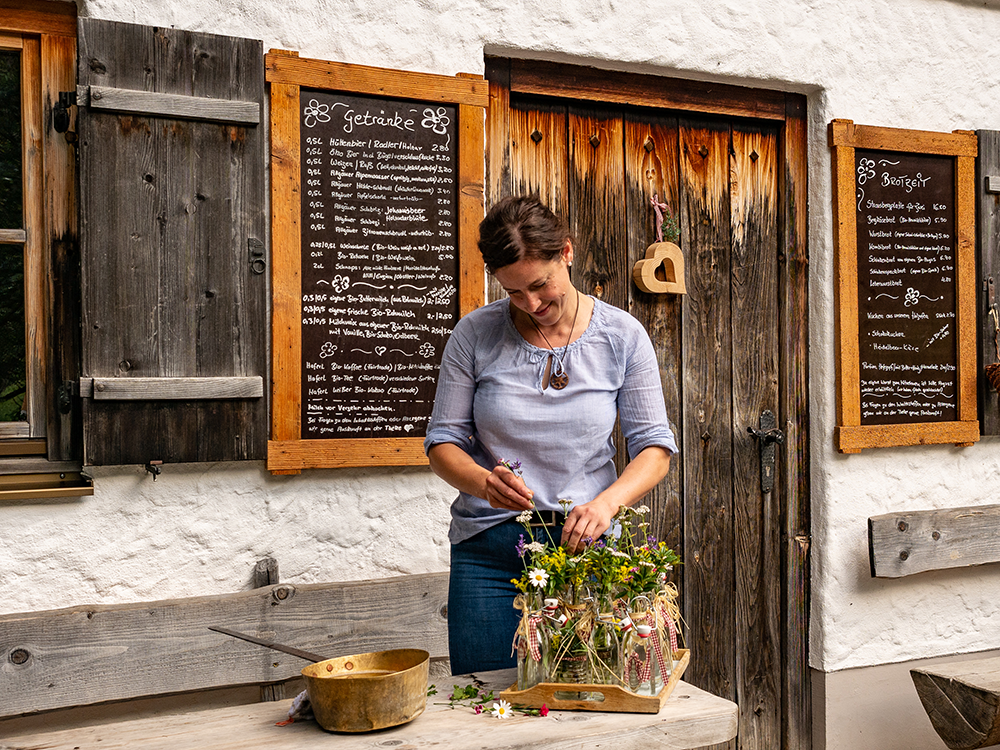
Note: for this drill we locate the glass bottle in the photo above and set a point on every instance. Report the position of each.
(642, 647)
(530, 670)
(607, 668)
(569, 659)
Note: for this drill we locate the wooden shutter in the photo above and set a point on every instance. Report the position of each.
(172, 227)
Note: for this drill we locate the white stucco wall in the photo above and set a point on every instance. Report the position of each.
(922, 64)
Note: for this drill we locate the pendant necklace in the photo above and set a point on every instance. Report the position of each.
(559, 379)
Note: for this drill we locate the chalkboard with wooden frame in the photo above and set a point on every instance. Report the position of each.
(904, 235)
(343, 164)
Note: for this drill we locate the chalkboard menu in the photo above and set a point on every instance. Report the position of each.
(379, 269)
(906, 276)
(905, 286)
(376, 194)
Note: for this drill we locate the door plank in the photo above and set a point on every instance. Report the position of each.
(597, 204)
(597, 207)
(649, 171)
(793, 295)
(540, 164)
(708, 598)
(754, 202)
(537, 165)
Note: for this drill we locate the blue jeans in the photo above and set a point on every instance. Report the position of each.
(481, 616)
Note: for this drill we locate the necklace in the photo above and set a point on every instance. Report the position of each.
(558, 379)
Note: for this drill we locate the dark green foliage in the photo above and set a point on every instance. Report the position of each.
(11, 200)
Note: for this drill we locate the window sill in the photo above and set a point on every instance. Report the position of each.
(45, 486)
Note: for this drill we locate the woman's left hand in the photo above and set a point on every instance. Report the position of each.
(588, 522)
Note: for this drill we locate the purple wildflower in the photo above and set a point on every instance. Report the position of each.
(521, 544)
(479, 709)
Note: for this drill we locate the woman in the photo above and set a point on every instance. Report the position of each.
(537, 379)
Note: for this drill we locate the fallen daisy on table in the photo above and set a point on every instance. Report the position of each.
(501, 709)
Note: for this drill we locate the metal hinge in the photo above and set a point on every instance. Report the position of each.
(60, 114)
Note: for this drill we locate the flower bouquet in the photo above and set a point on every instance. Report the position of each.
(599, 629)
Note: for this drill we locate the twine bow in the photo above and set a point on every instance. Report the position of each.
(527, 628)
(658, 208)
(668, 614)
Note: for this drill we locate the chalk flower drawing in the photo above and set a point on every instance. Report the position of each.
(426, 349)
(437, 121)
(912, 297)
(315, 112)
(327, 350)
(340, 283)
(866, 170)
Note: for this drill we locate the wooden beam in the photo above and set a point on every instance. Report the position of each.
(594, 84)
(852, 135)
(288, 68)
(170, 389)
(962, 701)
(901, 544)
(38, 17)
(90, 654)
(285, 455)
(12, 236)
(177, 106)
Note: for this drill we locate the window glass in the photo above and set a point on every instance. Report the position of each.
(12, 342)
(11, 199)
(12, 350)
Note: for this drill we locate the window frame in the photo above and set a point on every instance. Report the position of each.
(42, 454)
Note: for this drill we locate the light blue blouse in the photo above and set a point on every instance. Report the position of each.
(490, 402)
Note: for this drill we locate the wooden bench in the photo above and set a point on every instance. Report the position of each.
(84, 656)
(962, 701)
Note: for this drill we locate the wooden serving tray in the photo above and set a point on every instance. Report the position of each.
(616, 698)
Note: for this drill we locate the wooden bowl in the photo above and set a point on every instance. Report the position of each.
(365, 692)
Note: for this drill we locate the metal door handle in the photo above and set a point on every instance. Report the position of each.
(767, 436)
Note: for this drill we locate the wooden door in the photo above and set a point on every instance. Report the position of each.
(730, 349)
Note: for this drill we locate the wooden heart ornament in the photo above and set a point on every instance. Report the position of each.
(661, 271)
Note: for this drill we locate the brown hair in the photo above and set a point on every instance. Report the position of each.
(521, 226)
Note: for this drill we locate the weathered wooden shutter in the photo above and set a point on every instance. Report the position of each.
(172, 226)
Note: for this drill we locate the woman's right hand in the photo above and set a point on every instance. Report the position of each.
(505, 489)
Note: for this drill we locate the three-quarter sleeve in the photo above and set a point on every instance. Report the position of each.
(452, 417)
(640, 401)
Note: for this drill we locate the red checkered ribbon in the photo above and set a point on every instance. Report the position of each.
(534, 644)
(650, 618)
(641, 666)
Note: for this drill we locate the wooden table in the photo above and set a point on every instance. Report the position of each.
(691, 718)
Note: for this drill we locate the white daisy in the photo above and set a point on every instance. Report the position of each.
(501, 710)
(538, 577)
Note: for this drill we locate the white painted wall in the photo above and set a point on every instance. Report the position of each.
(923, 64)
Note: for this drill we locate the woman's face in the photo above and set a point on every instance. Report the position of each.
(540, 288)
